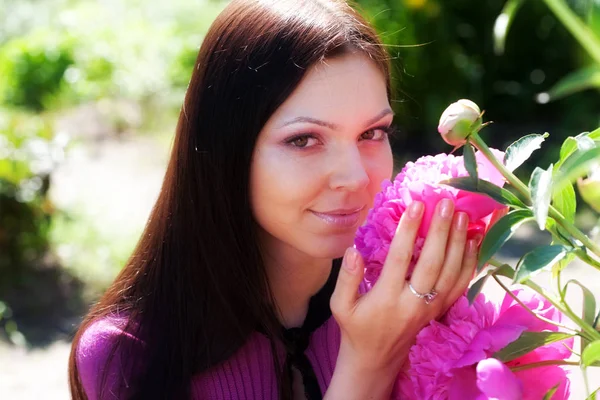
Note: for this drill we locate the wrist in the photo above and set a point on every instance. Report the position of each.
(352, 382)
(356, 378)
(369, 365)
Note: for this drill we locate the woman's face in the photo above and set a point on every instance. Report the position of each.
(321, 157)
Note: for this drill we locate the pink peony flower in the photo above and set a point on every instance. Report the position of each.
(453, 358)
(419, 181)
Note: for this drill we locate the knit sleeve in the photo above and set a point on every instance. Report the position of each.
(92, 356)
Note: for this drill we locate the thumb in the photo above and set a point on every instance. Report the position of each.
(351, 274)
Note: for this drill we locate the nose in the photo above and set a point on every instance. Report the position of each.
(349, 172)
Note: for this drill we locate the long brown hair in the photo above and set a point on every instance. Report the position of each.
(195, 286)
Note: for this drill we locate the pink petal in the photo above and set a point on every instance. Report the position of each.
(497, 381)
(463, 385)
(538, 381)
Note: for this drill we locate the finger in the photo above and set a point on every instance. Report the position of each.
(393, 274)
(433, 254)
(466, 274)
(345, 294)
(455, 250)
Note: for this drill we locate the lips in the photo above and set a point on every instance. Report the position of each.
(340, 218)
(342, 211)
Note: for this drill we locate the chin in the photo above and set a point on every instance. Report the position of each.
(332, 247)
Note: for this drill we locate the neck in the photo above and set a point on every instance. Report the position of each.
(294, 278)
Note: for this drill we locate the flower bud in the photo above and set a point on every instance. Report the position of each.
(456, 121)
(589, 188)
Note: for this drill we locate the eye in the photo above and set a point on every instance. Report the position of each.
(302, 141)
(376, 134)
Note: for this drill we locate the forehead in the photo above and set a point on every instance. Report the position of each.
(344, 90)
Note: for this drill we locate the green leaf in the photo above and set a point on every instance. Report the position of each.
(550, 393)
(589, 305)
(591, 354)
(575, 166)
(568, 147)
(499, 234)
(594, 395)
(502, 24)
(589, 301)
(475, 288)
(540, 186)
(565, 202)
(527, 342)
(470, 161)
(520, 151)
(584, 142)
(504, 270)
(579, 142)
(582, 79)
(593, 17)
(541, 257)
(497, 193)
(562, 264)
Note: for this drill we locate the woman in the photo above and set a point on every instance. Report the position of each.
(281, 146)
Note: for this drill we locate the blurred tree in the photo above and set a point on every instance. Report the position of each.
(444, 50)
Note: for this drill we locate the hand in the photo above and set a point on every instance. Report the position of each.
(379, 327)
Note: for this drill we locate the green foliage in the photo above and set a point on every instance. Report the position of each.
(32, 69)
(181, 69)
(591, 354)
(527, 342)
(500, 233)
(582, 79)
(504, 270)
(538, 259)
(470, 161)
(444, 50)
(540, 186)
(28, 156)
(550, 393)
(499, 194)
(518, 152)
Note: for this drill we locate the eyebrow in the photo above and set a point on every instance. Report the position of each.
(333, 126)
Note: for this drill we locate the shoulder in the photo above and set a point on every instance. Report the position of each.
(97, 356)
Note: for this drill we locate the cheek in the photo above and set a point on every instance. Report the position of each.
(281, 186)
(380, 167)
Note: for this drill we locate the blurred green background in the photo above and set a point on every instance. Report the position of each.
(90, 92)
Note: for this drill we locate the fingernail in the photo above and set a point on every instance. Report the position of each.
(415, 209)
(446, 208)
(462, 220)
(472, 246)
(350, 259)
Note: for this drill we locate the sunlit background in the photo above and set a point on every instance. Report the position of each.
(89, 96)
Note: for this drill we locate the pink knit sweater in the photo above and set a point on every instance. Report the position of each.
(248, 374)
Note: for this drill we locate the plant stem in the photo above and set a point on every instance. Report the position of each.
(585, 257)
(529, 310)
(476, 140)
(543, 364)
(576, 233)
(495, 263)
(589, 332)
(584, 35)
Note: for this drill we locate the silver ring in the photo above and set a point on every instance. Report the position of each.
(428, 297)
